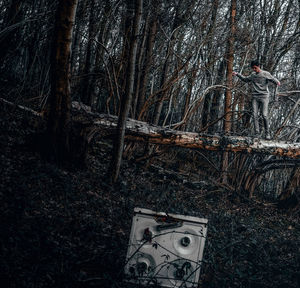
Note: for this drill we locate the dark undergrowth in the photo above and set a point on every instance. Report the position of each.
(67, 227)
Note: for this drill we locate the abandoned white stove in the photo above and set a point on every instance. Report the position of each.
(165, 249)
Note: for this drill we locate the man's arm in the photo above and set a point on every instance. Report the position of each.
(271, 78)
(243, 78)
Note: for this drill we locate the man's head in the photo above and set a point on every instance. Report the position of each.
(255, 66)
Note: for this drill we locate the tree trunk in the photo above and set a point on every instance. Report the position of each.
(216, 100)
(187, 98)
(139, 71)
(147, 133)
(127, 98)
(58, 127)
(228, 95)
(148, 62)
(166, 67)
(85, 82)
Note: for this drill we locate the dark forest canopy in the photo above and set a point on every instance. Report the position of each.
(167, 63)
(181, 51)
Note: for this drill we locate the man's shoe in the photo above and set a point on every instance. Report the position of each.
(268, 136)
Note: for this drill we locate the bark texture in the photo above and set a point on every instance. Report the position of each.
(144, 132)
(228, 94)
(60, 101)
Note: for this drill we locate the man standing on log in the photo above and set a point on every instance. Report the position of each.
(260, 94)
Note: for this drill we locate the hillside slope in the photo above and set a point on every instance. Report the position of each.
(67, 227)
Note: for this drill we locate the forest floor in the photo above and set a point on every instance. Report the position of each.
(67, 227)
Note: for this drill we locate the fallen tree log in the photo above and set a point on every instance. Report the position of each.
(144, 132)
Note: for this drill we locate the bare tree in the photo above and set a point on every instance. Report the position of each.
(151, 33)
(228, 95)
(127, 97)
(58, 127)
